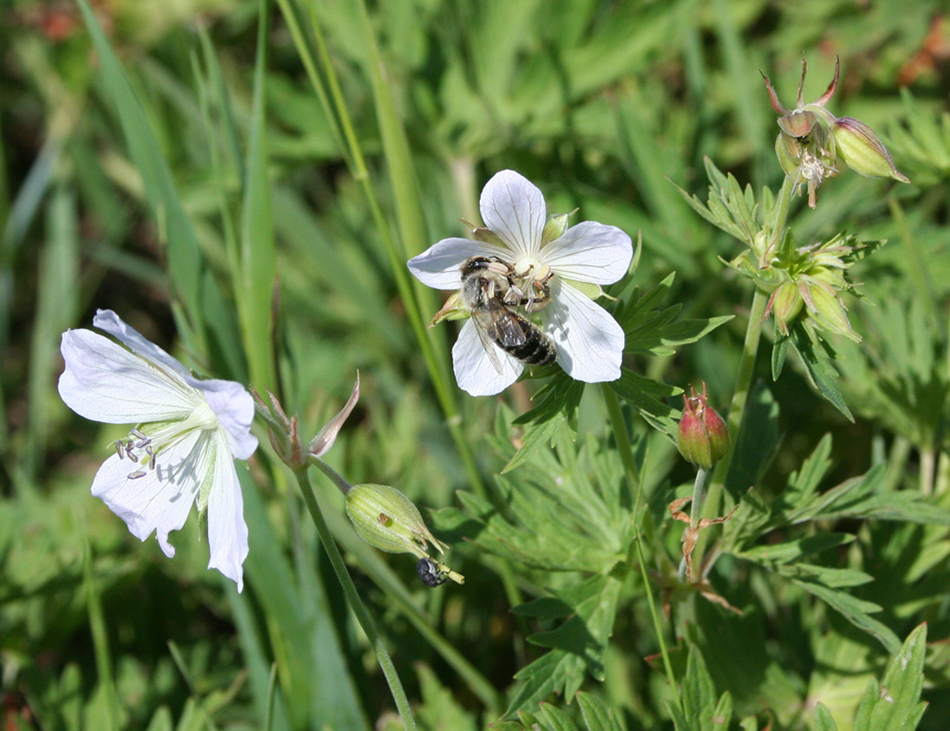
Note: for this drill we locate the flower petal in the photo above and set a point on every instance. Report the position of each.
(108, 321)
(161, 499)
(513, 208)
(234, 407)
(589, 340)
(473, 368)
(105, 382)
(590, 252)
(227, 531)
(438, 266)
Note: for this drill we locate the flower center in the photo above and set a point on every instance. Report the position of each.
(532, 283)
(146, 442)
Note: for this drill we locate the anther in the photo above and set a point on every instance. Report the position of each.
(119, 449)
(137, 474)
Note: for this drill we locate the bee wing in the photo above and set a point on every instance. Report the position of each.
(484, 324)
(507, 327)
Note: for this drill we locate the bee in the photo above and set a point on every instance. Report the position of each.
(430, 572)
(489, 292)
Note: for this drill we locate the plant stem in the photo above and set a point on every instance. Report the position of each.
(356, 604)
(695, 510)
(622, 438)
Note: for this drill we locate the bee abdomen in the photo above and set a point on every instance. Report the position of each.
(537, 348)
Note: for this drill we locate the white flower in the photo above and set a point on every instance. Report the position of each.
(182, 448)
(589, 341)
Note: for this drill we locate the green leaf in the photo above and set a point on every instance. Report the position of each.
(792, 551)
(559, 396)
(817, 355)
(186, 264)
(556, 719)
(596, 715)
(894, 704)
(854, 610)
(728, 207)
(578, 645)
(649, 397)
(701, 711)
(823, 719)
(535, 436)
(256, 267)
(756, 443)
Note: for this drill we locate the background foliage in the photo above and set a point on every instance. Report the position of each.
(171, 180)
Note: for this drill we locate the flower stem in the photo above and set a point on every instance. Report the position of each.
(332, 474)
(353, 599)
(622, 438)
(695, 510)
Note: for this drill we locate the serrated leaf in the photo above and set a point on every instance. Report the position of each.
(645, 395)
(596, 715)
(821, 373)
(756, 442)
(556, 719)
(751, 516)
(792, 551)
(559, 396)
(536, 436)
(823, 719)
(577, 646)
(701, 710)
(894, 704)
(854, 610)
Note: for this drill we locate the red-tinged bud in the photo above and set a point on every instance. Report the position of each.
(863, 151)
(703, 437)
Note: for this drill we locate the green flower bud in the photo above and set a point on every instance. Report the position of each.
(703, 437)
(828, 311)
(786, 304)
(388, 520)
(555, 227)
(863, 151)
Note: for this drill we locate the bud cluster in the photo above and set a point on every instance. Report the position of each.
(812, 140)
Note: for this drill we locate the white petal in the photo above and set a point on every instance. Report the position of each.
(590, 252)
(589, 340)
(227, 531)
(111, 323)
(473, 368)
(513, 208)
(438, 266)
(234, 407)
(159, 501)
(105, 382)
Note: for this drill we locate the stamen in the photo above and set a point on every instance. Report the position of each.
(131, 455)
(138, 433)
(152, 462)
(119, 449)
(137, 474)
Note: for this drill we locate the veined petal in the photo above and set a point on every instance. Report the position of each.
(227, 531)
(234, 407)
(474, 370)
(108, 321)
(105, 382)
(589, 340)
(438, 266)
(159, 501)
(590, 252)
(513, 208)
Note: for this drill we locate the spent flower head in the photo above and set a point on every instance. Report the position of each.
(536, 265)
(181, 450)
(812, 140)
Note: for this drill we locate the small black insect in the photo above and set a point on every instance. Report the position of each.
(430, 573)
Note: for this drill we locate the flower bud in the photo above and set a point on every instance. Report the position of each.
(863, 151)
(703, 437)
(388, 520)
(786, 304)
(827, 309)
(555, 227)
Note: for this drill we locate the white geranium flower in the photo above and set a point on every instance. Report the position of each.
(589, 341)
(183, 446)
